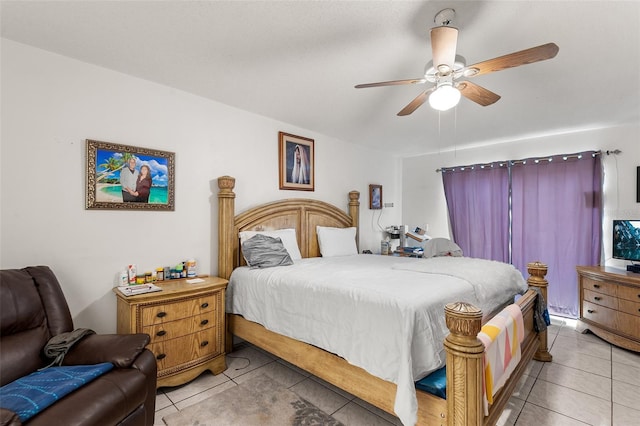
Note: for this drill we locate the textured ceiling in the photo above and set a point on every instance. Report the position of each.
(297, 62)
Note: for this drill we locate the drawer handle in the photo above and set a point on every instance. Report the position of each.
(590, 311)
(161, 314)
(204, 305)
(205, 343)
(161, 333)
(596, 286)
(204, 322)
(161, 356)
(598, 298)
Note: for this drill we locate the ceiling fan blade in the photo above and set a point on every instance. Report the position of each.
(444, 41)
(515, 59)
(416, 103)
(477, 94)
(392, 83)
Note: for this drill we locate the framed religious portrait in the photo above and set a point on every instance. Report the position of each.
(296, 162)
(375, 197)
(124, 177)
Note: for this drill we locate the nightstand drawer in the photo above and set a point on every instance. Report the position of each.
(173, 329)
(600, 299)
(599, 286)
(170, 353)
(159, 314)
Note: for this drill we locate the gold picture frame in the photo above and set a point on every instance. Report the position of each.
(296, 162)
(375, 197)
(107, 177)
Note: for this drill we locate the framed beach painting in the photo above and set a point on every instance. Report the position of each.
(296, 162)
(124, 177)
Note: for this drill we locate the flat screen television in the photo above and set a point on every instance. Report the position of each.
(626, 240)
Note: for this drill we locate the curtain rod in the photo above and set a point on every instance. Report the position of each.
(536, 159)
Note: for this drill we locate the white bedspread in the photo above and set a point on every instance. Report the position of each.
(384, 314)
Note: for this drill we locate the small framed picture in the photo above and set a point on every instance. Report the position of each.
(296, 162)
(124, 177)
(375, 197)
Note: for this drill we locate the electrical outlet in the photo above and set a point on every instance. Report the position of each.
(388, 204)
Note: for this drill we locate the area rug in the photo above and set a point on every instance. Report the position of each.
(259, 401)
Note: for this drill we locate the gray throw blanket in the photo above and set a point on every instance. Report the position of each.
(58, 346)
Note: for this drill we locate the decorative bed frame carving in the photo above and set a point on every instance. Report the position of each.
(463, 406)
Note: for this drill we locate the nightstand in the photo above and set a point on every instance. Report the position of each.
(186, 323)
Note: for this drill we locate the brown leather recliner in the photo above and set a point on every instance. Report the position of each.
(32, 310)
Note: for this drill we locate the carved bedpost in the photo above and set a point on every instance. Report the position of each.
(537, 271)
(226, 211)
(354, 212)
(464, 365)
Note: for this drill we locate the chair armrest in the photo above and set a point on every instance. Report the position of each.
(9, 418)
(119, 349)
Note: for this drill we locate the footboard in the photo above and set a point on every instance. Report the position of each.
(465, 355)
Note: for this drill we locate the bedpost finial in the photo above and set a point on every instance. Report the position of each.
(354, 195)
(226, 183)
(463, 319)
(537, 271)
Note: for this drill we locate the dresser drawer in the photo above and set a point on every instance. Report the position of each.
(599, 286)
(159, 314)
(600, 299)
(629, 293)
(629, 307)
(629, 325)
(190, 348)
(599, 314)
(182, 327)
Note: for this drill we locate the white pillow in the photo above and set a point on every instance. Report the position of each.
(336, 241)
(288, 237)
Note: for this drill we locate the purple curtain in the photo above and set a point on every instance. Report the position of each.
(556, 209)
(478, 204)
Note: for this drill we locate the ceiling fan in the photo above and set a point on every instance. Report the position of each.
(447, 68)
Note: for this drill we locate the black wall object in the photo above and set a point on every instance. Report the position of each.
(638, 186)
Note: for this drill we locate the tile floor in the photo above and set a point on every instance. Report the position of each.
(589, 382)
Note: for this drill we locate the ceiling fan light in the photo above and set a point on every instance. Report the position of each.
(444, 97)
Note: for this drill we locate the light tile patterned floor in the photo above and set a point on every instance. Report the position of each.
(589, 382)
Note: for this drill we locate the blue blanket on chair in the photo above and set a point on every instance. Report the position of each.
(29, 395)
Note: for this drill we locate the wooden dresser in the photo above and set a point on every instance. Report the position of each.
(186, 323)
(610, 305)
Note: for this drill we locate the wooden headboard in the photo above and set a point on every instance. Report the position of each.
(299, 213)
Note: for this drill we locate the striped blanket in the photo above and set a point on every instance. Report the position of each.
(501, 337)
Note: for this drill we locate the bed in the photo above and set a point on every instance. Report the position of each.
(464, 352)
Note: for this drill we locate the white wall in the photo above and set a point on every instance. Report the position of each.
(423, 193)
(51, 104)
